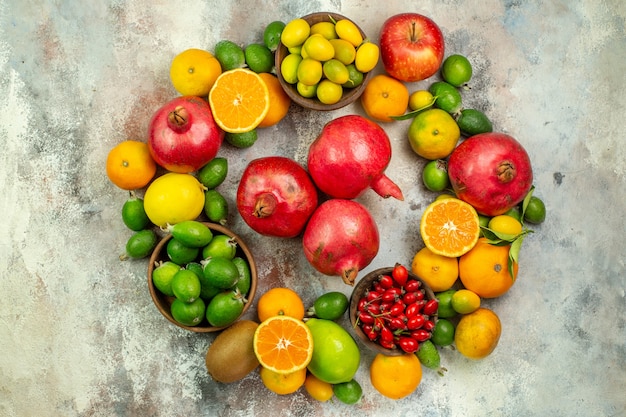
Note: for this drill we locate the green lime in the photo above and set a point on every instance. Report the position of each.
(134, 215)
(230, 55)
(535, 211)
(140, 244)
(447, 97)
(245, 275)
(196, 268)
(213, 173)
(348, 392)
(188, 314)
(329, 306)
(428, 354)
(443, 333)
(180, 253)
(456, 70)
(472, 122)
(191, 233)
(271, 34)
(186, 286)
(259, 58)
(224, 308)
(241, 140)
(306, 91)
(216, 207)
(223, 246)
(162, 277)
(435, 175)
(355, 77)
(289, 67)
(445, 309)
(220, 272)
(336, 71)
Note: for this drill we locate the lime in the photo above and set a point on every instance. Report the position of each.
(134, 215)
(179, 253)
(259, 58)
(330, 306)
(186, 285)
(216, 207)
(456, 70)
(355, 78)
(245, 275)
(435, 175)
(191, 233)
(224, 308)
(307, 91)
(443, 333)
(326, 29)
(289, 67)
(230, 55)
(220, 272)
(348, 392)
(213, 173)
(162, 277)
(535, 211)
(335, 71)
(295, 32)
(271, 34)
(447, 97)
(329, 92)
(188, 314)
(174, 197)
(223, 246)
(344, 51)
(465, 301)
(140, 244)
(242, 140)
(445, 309)
(310, 71)
(472, 122)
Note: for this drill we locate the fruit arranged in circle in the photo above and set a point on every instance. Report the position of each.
(280, 301)
(383, 97)
(194, 71)
(318, 389)
(282, 383)
(478, 333)
(395, 377)
(283, 344)
(239, 100)
(433, 134)
(129, 165)
(173, 198)
(439, 272)
(485, 271)
(279, 101)
(449, 227)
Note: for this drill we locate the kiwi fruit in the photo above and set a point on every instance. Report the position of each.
(231, 355)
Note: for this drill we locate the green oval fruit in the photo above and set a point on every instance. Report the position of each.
(162, 277)
(447, 97)
(180, 253)
(222, 246)
(134, 215)
(259, 58)
(456, 70)
(141, 244)
(191, 233)
(336, 356)
(196, 268)
(435, 175)
(224, 308)
(445, 309)
(271, 34)
(348, 392)
(428, 354)
(215, 207)
(443, 333)
(330, 306)
(220, 272)
(186, 286)
(188, 314)
(245, 276)
(243, 139)
(472, 122)
(230, 55)
(535, 211)
(213, 173)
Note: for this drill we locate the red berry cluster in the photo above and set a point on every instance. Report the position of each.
(394, 312)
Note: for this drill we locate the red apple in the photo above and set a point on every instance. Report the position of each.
(183, 136)
(411, 47)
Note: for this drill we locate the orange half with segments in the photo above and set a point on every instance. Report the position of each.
(283, 344)
(450, 227)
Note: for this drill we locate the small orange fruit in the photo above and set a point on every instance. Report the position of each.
(318, 389)
(282, 384)
(239, 100)
(283, 344)
(130, 166)
(279, 101)
(450, 227)
(485, 269)
(194, 71)
(396, 376)
(478, 333)
(280, 301)
(384, 96)
(438, 271)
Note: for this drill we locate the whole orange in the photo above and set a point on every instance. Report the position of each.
(384, 96)
(477, 334)
(280, 301)
(129, 165)
(485, 269)
(396, 376)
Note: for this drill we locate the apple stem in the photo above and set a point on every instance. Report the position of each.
(414, 37)
(178, 118)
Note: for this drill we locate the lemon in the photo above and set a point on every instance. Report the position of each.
(194, 71)
(367, 57)
(295, 33)
(433, 134)
(173, 198)
(319, 48)
(336, 71)
(310, 71)
(421, 100)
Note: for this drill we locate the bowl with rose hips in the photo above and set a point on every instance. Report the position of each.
(393, 311)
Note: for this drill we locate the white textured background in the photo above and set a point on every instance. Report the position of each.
(79, 335)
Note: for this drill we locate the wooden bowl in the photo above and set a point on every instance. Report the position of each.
(359, 291)
(349, 94)
(164, 302)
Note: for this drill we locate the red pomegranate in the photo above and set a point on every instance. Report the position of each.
(490, 171)
(276, 196)
(349, 156)
(341, 238)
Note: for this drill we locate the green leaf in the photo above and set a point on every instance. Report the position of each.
(514, 251)
(526, 202)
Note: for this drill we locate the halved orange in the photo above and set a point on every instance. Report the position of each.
(450, 227)
(239, 100)
(283, 344)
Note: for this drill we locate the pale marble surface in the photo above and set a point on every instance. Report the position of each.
(79, 334)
